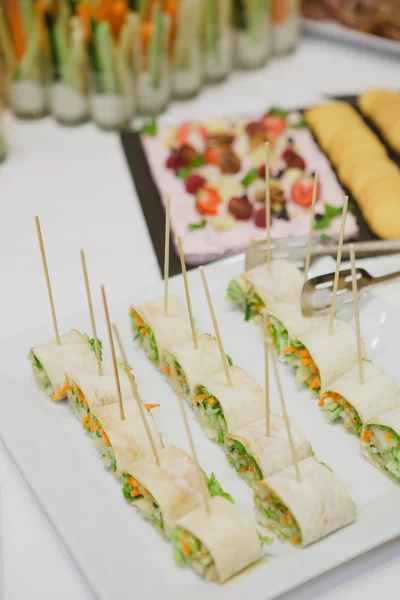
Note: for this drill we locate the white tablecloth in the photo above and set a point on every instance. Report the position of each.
(77, 181)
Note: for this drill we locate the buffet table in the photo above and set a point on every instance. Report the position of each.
(78, 182)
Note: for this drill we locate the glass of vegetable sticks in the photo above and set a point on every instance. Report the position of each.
(217, 40)
(253, 33)
(112, 94)
(186, 52)
(153, 71)
(22, 46)
(286, 25)
(68, 65)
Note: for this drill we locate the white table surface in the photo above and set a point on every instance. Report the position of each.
(77, 181)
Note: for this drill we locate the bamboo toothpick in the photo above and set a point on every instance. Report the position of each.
(267, 205)
(187, 292)
(285, 416)
(357, 314)
(338, 261)
(136, 396)
(216, 328)
(111, 339)
(166, 253)
(47, 277)
(203, 484)
(267, 396)
(312, 218)
(91, 313)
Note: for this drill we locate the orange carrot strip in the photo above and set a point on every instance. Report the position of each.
(368, 435)
(61, 393)
(306, 361)
(165, 370)
(388, 436)
(290, 350)
(199, 398)
(314, 384)
(185, 548)
(17, 29)
(150, 406)
(295, 540)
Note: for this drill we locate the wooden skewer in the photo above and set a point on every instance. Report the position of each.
(166, 253)
(285, 416)
(187, 292)
(136, 396)
(357, 314)
(310, 233)
(267, 205)
(91, 313)
(203, 484)
(267, 396)
(47, 277)
(111, 339)
(216, 328)
(338, 261)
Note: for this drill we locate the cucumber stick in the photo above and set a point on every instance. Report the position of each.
(29, 67)
(185, 33)
(27, 10)
(156, 46)
(212, 28)
(256, 19)
(106, 58)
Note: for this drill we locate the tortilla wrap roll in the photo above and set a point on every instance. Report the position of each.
(164, 493)
(157, 332)
(50, 361)
(380, 442)
(301, 513)
(261, 286)
(320, 358)
(222, 408)
(353, 403)
(90, 390)
(219, 545)
(120, 442)
(285, 323)
(256, 456)
(186, 365)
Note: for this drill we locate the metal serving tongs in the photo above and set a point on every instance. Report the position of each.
(317, 291)
(316, 296)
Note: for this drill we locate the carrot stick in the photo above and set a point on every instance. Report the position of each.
(17, 30)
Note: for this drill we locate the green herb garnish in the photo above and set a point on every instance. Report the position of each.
(250, 177)
(150, 127)
(200, 225)
(93, 346)
(331, 212)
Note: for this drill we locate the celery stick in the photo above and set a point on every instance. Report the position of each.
(255, 10)
(27, 10)
(185, 33)
(212, 28)
(156, 47)
(144, 9)
(225, 13)
(29, 65)
(78, 55)
(127, 42)
(106, 58)
(6, 46)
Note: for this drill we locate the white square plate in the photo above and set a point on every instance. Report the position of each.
(118, 553)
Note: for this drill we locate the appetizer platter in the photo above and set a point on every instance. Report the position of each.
(214, 170)
(209, 446)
